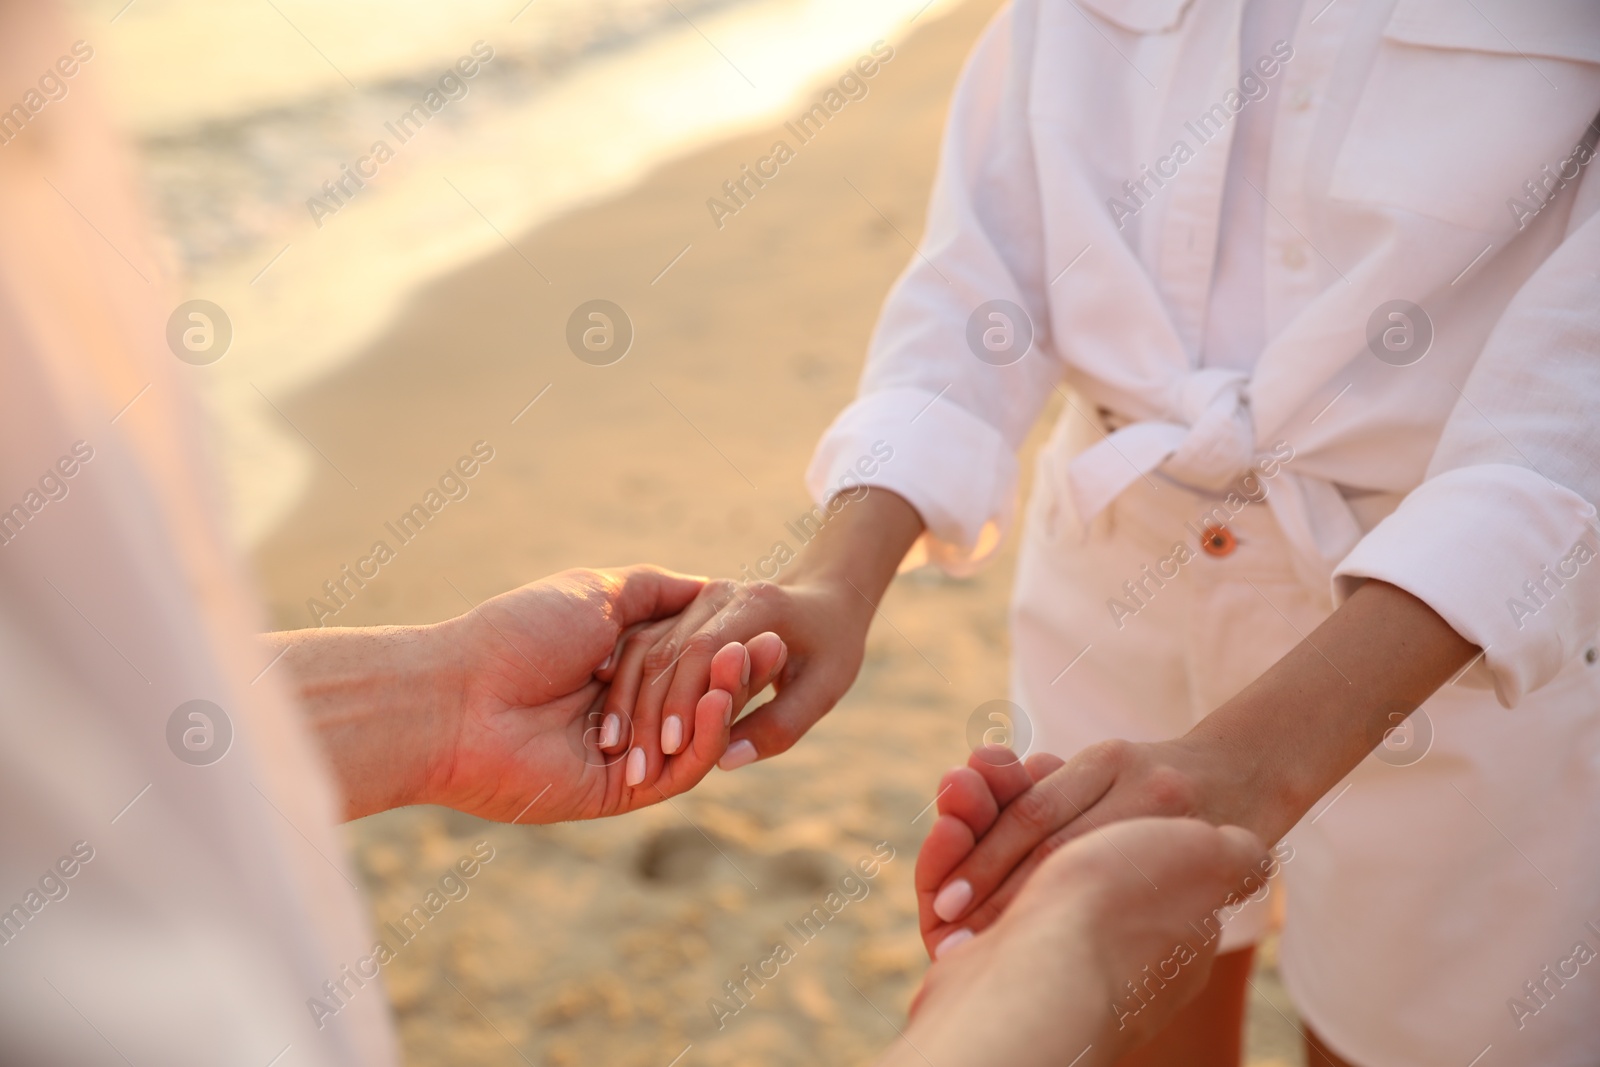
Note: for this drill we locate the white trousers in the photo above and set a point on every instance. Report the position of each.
(1439, 900)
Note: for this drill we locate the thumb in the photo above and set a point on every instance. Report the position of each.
(768, 656)
(775, 726)
(642, 593)
(1242, 851)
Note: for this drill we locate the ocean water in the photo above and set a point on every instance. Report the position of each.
(240, 112)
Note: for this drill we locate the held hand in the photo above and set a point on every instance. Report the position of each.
(1259, 761)
(1043, 986)
(996, 828)
(969, 800)
(524, 747)
(822, 610)
(662, 670)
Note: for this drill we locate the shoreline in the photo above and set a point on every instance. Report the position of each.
(308, 293)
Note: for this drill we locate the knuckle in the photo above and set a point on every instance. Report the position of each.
(1170, 791)
(660, 656)
(719, 590)
(762, 592)
(604, 587)
(1034, 812)
(702, 643)
(1114, 752)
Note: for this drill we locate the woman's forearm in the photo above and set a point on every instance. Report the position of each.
(1304, 724)
(863, 543)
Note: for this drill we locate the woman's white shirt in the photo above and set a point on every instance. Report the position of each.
(1429, 288)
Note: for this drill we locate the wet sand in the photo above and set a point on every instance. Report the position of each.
(604, 942)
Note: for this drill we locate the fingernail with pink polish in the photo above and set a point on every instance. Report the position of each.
(671, 734)
(635, 769)
(739, 753)
(953, 900)
(609, 657)
(955, 940)
(744, 674)
(610, 731)
(727, 709)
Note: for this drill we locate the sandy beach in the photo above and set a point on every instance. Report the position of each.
(604, 943)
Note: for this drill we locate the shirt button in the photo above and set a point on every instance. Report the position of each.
(1217, 541)
(1300, 99)
(1294, 257)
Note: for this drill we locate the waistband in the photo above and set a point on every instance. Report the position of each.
(1286, 519)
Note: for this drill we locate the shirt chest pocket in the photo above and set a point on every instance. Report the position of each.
(1138, 16)
(1466, 102)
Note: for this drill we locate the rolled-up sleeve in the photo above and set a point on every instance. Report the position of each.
(1501, 538)
(953, 421)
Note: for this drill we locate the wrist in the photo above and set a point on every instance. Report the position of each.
(861, 546)
(383, 703)
(1239, 778)
(1038, 992)
(1292, 734)
(839, 564)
